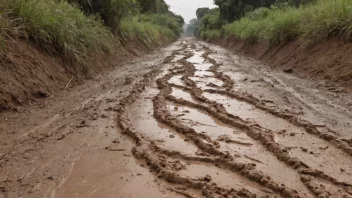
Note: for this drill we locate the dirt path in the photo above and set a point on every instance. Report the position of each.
(191, 120)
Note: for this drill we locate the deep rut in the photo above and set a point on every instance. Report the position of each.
(189, 130)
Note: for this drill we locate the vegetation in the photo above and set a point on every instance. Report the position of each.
(75, 28)
(283, 21)
(151, 29)
(191, 27)
(59, 26)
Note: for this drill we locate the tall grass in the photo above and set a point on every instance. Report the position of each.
(274, 27)
(150, 29)
(211, 34)
(62, 28)
(328, 18)
(322, 20)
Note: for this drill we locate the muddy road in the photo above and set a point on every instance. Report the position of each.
(191, 120)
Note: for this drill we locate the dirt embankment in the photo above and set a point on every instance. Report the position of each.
(28, 73)
(329, 61)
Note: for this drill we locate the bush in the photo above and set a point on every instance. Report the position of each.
(281, 26)
(150, 29)
(321, 20)
(163, 20)
(328, 19)
(211, 34)
(59, 27)
(110, 11)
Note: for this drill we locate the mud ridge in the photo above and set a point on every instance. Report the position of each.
(267, 140)
(166, 163)
(286, 114)
(162, 114)
(157, 165)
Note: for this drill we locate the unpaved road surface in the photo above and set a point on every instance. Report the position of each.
(191, 120)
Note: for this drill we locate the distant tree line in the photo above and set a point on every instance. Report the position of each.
(113, 11)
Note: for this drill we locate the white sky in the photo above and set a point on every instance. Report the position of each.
(188, 8)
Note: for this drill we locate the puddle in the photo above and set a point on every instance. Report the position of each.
(331, 161)
(207, 82)
(224, 178)
(177, 80)
(141, 115)
(179, 93)
(196, 58)
(255, 153)
(199, 73)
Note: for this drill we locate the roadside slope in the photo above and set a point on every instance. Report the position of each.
(28, 73)
(329, 61)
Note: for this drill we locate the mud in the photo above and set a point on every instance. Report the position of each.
(195, 125)
(185, 86)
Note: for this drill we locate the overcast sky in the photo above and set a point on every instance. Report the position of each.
(187, 8)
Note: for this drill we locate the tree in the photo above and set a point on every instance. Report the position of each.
(201, 12)
(110, 11)
(191, 27)
(231, 10)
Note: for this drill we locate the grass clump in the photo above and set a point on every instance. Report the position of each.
(212, 34)
(162, 20)
(328, 18)
(322, 19)
(281, 26)
(272, 27)
(150, 29)
(62, 28)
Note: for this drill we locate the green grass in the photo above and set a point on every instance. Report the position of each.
(149, 29)
(162, 20)
(323, 20)
(211, 34)
(327, 19)
(277, 26)
(62, 28)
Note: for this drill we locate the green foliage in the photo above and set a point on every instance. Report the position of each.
(211, 21)
(150, 29)
(201, 12)
(314, 21)
(154, 6)
(110, 11)
(163, 20)
(75, 28)
(211, 34)
(191, 27)
(281, 26)
(272, 26)
(58, 26)
(328, 19)
(231, 10)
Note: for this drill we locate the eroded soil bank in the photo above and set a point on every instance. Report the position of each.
(328, 62)
(191, 120)
(28, 73)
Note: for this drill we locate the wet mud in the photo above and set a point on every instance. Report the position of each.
(198, 132)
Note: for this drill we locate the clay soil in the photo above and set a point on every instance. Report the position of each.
(329, 62)
(190, 120)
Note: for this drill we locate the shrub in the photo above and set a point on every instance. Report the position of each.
(282, 26)
(110, 11)
(314, 21)
(328, 19)
(163, 20)
(62, 28)
(148, 29)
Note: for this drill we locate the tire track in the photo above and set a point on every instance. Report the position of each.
(168, 164)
